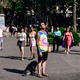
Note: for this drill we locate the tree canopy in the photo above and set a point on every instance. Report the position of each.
(42, 8)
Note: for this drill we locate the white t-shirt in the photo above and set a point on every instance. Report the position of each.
(1, 33)
(21, 36)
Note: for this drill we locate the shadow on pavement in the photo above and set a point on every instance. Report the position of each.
(31, 68)
(74, 52)
(13, 57)
(13, 70)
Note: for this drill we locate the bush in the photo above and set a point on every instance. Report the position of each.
(76, 37)
(50, 38)
(79, 39)
(61, 29)
(36, 29)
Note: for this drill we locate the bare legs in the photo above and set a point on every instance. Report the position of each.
(1, 46)
(42, 69)
(67, 49)
(32, 52)
(22, 53)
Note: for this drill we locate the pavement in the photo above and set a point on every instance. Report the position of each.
(60, 66)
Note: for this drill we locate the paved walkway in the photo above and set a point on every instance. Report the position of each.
(59, 65)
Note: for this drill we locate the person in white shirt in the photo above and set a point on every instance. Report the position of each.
(1, 39)
(21, 42)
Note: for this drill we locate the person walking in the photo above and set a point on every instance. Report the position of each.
(56, 40)
(42, 51)
(32, 36)
(21, 36)
(68, 39)
(1, 39)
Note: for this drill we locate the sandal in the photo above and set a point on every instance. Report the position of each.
(30, 58)
(46, 75)
(39, 76)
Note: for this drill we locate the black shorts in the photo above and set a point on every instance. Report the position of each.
(44, 56)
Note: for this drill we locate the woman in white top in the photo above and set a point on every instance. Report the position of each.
(21, 42)
(32, 40)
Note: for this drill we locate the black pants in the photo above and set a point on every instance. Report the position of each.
(56, 41)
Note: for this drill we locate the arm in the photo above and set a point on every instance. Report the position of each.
(38, 38)
(72, 37)
(17, 36)
(64, 36)
(25, 39)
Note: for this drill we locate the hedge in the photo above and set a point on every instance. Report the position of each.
(76, 37)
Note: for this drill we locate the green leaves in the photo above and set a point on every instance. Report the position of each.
(18, 7)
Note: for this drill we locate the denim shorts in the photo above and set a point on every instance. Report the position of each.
(20, 43)
(1, 40)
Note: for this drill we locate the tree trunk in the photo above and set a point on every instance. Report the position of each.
(74, 16)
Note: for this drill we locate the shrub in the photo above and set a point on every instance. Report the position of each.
(79, 39)
(76, 37)
(61, 29)
(50, 38)
(36, 29)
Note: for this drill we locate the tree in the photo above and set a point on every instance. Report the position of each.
(45, 10)
(74, 16)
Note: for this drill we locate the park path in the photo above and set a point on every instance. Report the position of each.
(59, 65)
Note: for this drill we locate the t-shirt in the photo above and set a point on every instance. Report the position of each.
(57, 33)
(1, 33)
(43, 41)
(21, 36)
